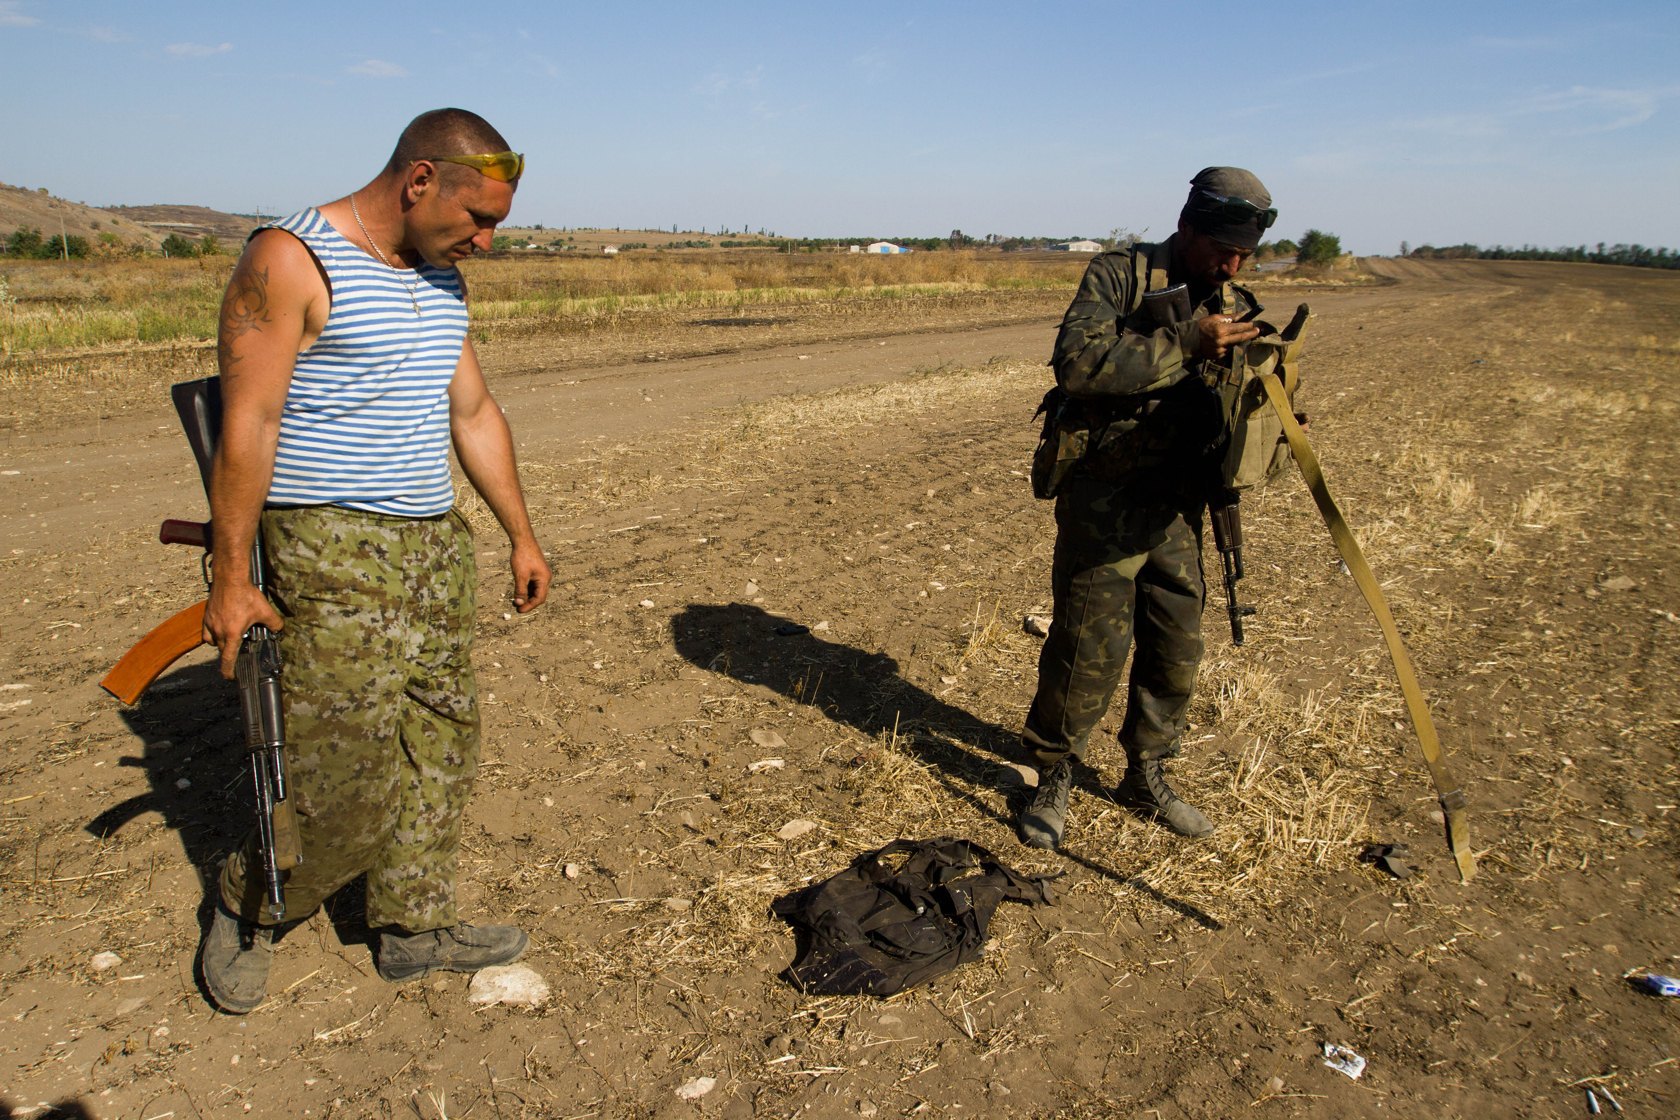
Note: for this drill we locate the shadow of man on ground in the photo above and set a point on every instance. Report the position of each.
(865, 691)
(199, 772)
(63, 1110)
(851, 686)
(189, 725)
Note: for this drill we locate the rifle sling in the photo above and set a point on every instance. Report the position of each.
(1453, 803)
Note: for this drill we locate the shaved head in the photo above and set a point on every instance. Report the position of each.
(445, 132)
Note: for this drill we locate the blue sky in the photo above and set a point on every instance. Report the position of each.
(1549, 123)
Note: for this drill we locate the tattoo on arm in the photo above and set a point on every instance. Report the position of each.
(244, 309)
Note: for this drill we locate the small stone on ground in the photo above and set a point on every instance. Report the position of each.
(515, 984)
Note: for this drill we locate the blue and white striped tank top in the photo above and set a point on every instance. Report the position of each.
(366, 421)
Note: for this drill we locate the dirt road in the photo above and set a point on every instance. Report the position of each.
(1501, 435)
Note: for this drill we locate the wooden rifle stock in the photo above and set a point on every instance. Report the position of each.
(168, 641)
(165, 644)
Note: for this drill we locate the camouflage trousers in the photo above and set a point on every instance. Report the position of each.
(1123, 570)
(381, 710)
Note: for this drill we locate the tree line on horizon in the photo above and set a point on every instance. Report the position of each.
(1314, 245)
(28, 244)
(1636, 256)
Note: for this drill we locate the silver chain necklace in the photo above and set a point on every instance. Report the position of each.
(413, 288)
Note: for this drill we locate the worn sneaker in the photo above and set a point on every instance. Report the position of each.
(1145, 789)
(460, 948)
(234, 960)
(1044, 821)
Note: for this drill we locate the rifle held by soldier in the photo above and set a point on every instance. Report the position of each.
(256, 670)
(1226, 516)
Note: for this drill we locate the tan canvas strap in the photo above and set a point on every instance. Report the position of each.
(1453, 805)
(1149, 265)
(1290, 364)
(1160, 258)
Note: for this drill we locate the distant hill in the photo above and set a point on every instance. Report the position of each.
(190, 221)
(25, 208)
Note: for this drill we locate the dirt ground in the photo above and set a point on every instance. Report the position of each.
(1499, 434)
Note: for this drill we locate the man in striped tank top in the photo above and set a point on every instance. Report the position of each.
(347, 376)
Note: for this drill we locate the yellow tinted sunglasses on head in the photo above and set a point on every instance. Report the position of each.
(504, 167)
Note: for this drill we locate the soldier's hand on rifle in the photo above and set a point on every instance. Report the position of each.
(531, 576)
(233, 608)
(1216, 334)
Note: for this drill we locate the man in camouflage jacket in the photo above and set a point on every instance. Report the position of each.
(1129, 519)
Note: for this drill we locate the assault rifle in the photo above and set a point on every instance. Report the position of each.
(1226, 516)
(256, 670)
(1170, 306)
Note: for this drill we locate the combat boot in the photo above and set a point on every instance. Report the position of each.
(1044, 821)
(234, 960)
(459, 948)
(1145, 789)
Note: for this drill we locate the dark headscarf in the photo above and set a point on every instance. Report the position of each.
(1216, 206)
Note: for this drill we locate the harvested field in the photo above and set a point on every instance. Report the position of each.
(1500, 435)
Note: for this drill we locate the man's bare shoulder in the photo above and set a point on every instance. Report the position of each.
(276, 248)
(288, 270)
(277, 302)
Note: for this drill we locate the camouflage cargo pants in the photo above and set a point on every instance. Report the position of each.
(381, 710)
(1122, 570)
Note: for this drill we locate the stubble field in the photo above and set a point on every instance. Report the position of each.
(1501, 437)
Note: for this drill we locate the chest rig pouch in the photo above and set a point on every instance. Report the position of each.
(1063, 442)
(1077, 432)
(1257, 450)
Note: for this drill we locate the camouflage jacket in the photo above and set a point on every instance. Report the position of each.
(1151, 411)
